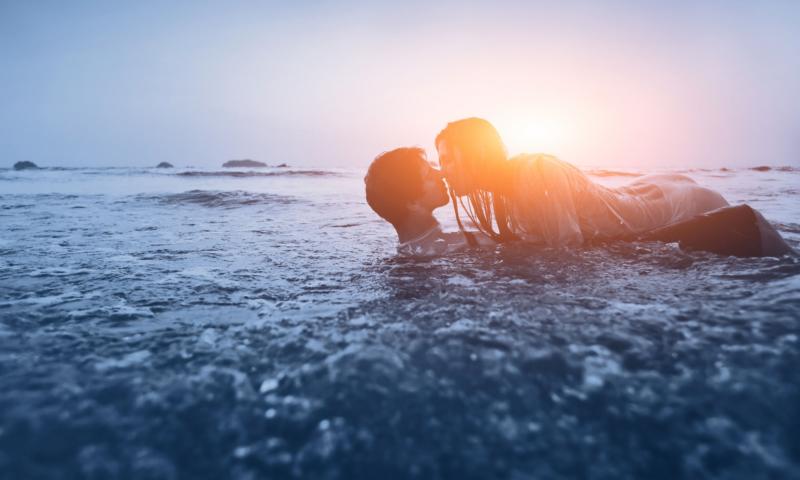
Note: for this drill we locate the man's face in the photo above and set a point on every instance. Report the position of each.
(434, 192)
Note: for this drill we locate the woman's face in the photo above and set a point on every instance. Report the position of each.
(451, 161)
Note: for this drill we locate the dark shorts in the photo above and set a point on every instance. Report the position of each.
(739, 231)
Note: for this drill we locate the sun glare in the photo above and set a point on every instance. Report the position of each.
(536, 135)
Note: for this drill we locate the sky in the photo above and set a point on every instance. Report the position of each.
(620, 84)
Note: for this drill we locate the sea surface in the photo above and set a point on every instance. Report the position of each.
(258, 324)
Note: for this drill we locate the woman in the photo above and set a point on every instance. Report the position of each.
(541, 199)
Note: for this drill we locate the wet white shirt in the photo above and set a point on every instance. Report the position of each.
(553, 202)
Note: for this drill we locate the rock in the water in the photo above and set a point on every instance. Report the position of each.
(243, 163)
(25, 165)
(164, 165)
(283, 165)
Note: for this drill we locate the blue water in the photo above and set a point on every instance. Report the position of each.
(198, 324)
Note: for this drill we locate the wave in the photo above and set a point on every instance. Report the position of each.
(618, 173)
(767, 168)
(787, 227)
(611, 173)
(760, 168)
(300, 173)
(47, 196)
(73, 169)
(217, 199)
(127, 171)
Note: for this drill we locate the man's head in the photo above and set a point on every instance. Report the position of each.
(401, 183)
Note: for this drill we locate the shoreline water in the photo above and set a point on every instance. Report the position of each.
(213, 326)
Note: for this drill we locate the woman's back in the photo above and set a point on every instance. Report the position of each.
(555, 203)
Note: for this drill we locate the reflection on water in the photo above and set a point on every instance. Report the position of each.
(164, 326)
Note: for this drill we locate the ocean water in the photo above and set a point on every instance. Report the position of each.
(192, 324)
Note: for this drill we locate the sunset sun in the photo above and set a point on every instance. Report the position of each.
(539, 134)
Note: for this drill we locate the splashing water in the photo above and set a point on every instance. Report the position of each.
(160, 325)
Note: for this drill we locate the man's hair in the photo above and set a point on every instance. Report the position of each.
(393, 181)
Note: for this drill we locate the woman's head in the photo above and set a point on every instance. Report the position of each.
(474, 162)
(471, 155)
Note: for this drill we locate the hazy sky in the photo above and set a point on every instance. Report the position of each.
(604, 83)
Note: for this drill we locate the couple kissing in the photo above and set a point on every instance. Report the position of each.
(540, 199)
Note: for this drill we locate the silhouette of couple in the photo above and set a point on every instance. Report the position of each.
(540, 199)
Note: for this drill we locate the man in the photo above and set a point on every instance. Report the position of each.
(403, 189)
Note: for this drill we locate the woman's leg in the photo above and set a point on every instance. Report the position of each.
(739, 231)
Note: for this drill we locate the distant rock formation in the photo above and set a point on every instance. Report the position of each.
(282, 165)
(243, 163)
(25, 165)
(164, 165)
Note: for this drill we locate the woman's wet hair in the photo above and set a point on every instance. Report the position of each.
(483, 155)
(393, 181)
